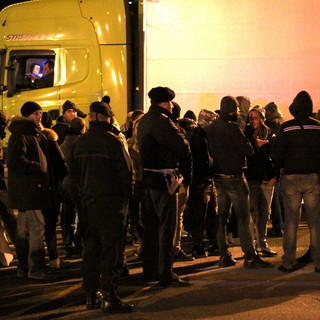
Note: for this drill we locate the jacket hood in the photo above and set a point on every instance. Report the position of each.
(244, 105)
(206, 117)
(50, 134)
(272, 111)
(25, 126)
(302, 105)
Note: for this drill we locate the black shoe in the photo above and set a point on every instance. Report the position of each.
(226, 261)
(266, 251)
(256, 263)
(116, 305)
(199, 252)
(175, 283)
(317, 269)
(306, 258)
(213, 251)
(274, 233)
(94, 300)
(182, 256)
(286, 270)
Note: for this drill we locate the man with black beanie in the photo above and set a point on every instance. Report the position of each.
(28, 187)
(161, 145)
(229, 148)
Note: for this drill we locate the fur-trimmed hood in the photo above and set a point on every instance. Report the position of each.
(50, 134)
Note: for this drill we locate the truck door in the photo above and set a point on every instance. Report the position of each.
(24, 69)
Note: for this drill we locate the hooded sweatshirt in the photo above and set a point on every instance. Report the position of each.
(296, 149)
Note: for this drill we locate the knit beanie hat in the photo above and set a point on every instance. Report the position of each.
(28, 108)
(161, 94)
(228, 104)
(101, 107)
(301, 105)
(68, 105)
(259, 109)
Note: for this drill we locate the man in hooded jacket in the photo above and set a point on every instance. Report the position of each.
(229, 148)
(297, 151)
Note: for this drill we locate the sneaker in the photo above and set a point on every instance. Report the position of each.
(256, 263)
(306, 258)
(199, 252)
(213, 251)
(42, 275)
(116, 305)
(175, 283)
(94, 300)
(227, 261)
(182, 256)
(286, 270)
(266, 251)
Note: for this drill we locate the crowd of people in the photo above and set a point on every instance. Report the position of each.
(223, 173)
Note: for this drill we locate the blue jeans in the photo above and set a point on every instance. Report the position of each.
(234, 191)
(260, 207)
(298, 187)
(29, 241)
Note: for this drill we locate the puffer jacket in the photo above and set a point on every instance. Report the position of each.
(61, 128)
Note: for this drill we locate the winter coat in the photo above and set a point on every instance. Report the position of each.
(100, 167)
(161, 143)
(28, 174)
(228, 146)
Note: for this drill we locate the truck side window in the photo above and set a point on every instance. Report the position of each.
(30, 69)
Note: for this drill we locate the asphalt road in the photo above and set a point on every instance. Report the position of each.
(228, 293)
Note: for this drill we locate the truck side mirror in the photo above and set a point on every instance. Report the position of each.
(12, 86)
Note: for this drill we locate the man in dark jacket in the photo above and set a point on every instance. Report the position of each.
(261, 176)
(69, 112)
(100, 166)
(161, 145)
(28, 187)
(297, 151)
(229, 148)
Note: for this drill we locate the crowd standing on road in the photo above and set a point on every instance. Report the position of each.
(159, 175)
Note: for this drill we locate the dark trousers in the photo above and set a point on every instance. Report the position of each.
(103, 253)
(50, 234)
(202, 213)
(159, 220)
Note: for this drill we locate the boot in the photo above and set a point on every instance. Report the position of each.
(94, 300)
(113, 304)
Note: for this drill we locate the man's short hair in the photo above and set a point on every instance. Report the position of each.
(50, 63)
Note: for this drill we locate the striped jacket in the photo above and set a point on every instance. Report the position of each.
(296, 149)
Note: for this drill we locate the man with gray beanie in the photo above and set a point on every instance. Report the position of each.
(296, 150)
(229, 148)
(28, 188)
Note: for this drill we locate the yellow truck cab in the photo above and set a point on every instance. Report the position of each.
(86, 41)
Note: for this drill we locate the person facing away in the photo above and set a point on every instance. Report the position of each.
(100, 167)
(71, 199)
(229, 148)
(28, 187)
(296, 150)
(69, 112)
(162, 145)
(261, 177)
